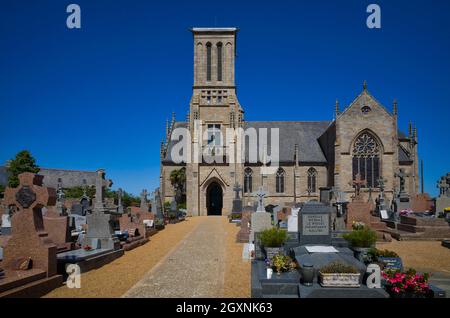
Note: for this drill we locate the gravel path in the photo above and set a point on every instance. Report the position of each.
(196, 268)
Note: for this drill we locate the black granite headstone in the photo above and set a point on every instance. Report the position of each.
(314, 223)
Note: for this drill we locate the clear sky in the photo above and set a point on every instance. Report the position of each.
(98, 97)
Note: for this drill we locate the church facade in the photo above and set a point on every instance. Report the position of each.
(362, 141)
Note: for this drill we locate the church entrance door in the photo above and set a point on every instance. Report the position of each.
(214, 198)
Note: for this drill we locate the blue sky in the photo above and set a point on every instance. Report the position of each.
(99, 96)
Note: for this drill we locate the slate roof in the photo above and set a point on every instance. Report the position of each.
(305, 134)
(403, 156)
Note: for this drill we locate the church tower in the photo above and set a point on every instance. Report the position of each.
(214, 104)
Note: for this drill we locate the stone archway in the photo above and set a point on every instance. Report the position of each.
(214, 199)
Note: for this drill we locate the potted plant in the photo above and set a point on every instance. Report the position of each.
(337, 274)
(361, 240)
(272, 240)
(281, 263)
(235, 217)
(159, 224)
(409, 284)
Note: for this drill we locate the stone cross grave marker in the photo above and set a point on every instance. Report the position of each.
(28, 237)
(237, 201)
(358, 183)
(401, 175)
(119, 198)
(260, 194)
(144, 205)
(100, 184)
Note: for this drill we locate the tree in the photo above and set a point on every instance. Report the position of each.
(178, 181)
(23, 162)
(2, 190)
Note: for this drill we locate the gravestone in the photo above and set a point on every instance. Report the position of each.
(6, 221)
(29, 244)
(60, 197)
(119, 203)
(59, 229)
(293, 220)
(314, 223)
(260, 220)
(158, 205)
(100, 222)
(243, 235)
(443, 200)
(144, 204)
(402, 199)
(237, 201)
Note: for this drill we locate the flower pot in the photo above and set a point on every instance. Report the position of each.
(339, 279)
(360, 253)
(307, 274)
(272, 251)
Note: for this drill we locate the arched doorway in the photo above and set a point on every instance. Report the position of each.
(214, 198)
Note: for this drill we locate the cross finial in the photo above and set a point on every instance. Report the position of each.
(365, 85)
(395, 110)
(336, 110)
(410, 129)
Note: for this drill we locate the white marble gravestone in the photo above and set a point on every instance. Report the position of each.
(293, 220)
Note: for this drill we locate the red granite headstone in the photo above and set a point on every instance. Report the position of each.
(28, 237)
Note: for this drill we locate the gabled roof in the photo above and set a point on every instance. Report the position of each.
(304, 134)
(365, 92)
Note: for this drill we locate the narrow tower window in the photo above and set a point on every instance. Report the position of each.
(248, 184)
(219, 61)
(208, 61)
(279, 186)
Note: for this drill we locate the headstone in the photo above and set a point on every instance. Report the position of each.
(243, 235)
(293, 220)
(260, 220)
(325, 194)
(314, 223)
(6, 221)
(443, 201)
(402, 199)
(60, 197)
(29, 238)
(100, 223)
(237, 201)
(358, 183)
(144, 205)
(58, 228)
(158, 205)
(119, 203)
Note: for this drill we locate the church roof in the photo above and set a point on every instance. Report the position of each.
(304, 134)
(403, 156)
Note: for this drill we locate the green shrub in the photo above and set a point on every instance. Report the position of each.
(236, 216)
(273, 237)
(364, 237)
(339, 268)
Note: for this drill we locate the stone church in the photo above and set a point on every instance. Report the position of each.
(363, 139)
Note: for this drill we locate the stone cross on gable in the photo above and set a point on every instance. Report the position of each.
(237, 189)
(401, 175)
(100, 184)
(358, 183)
(30, 196)
(260, 194)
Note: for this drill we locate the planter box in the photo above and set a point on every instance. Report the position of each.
(339, 280)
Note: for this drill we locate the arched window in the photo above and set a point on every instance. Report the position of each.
(248, 184)
(366, 159)
(208, 61)
(219, 61)
(312, 180)
(279, 184)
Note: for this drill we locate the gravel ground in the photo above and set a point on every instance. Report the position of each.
(237, 271)
(421, 255)
(116, 278)
(195, 258)
(194, 269)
